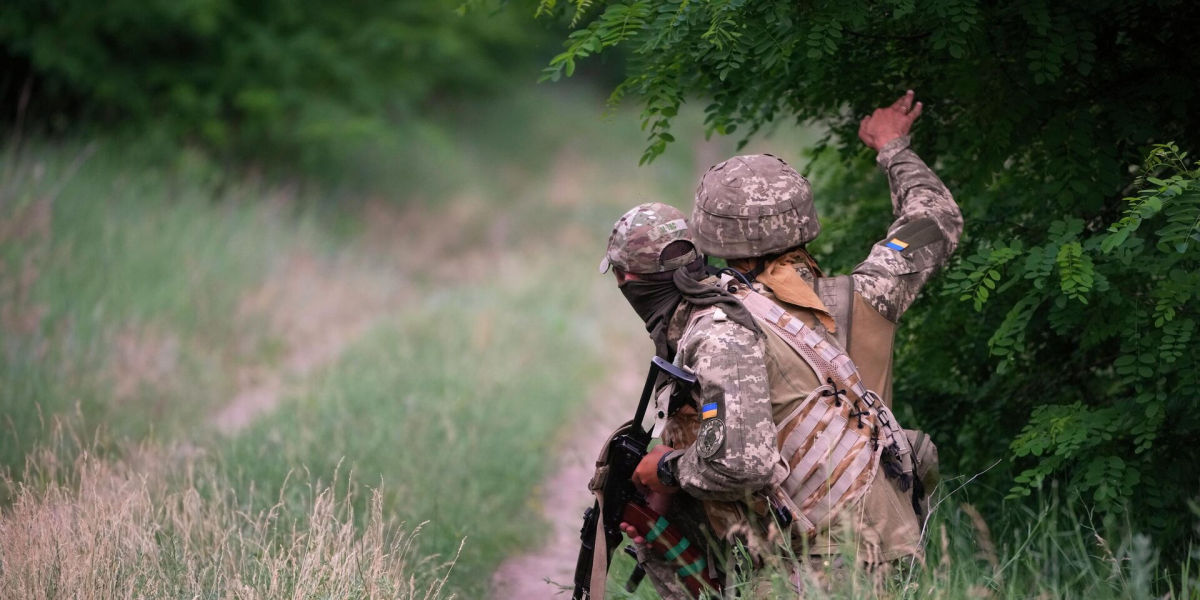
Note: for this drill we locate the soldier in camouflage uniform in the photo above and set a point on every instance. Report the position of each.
(756, 212)
(663, 277)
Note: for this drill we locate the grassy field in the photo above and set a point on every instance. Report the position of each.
(227, 385)
(245, 365)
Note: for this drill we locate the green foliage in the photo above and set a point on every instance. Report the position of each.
(976, 283)
(1140, 327)
(291, 75)
(1061, 337)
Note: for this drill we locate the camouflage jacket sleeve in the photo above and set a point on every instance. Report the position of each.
(924, 234)
(734, 452)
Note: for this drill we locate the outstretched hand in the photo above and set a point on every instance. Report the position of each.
(889, 122)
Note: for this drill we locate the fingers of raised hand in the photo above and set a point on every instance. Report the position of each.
(904, 103)
(915, 112)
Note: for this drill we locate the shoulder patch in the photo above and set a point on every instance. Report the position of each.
(710, 438)
(912, 236)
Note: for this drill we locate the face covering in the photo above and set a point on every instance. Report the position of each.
(654, 302)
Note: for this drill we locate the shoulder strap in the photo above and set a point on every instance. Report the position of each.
(827, 359)
(831, 363)
(837, 293)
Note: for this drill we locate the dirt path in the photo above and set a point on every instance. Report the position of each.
(543, 572)
(563, 497)
(317, 307)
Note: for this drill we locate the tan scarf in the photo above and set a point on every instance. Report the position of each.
(785, 282)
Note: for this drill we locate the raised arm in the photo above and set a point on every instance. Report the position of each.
(927, 221)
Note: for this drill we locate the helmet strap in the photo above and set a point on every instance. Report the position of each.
(750, 268)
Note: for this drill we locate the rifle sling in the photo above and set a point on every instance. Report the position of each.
(599, 553)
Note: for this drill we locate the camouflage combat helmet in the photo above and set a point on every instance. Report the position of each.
(753, 205)
(640, 235)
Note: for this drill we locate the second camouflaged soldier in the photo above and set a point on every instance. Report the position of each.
(664, 279)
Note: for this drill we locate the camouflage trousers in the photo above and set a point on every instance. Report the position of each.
(860, 555)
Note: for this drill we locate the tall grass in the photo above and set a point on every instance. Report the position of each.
(1055, 552)
(120, 285)
(159, 524)
(450, 409)
(143, 294)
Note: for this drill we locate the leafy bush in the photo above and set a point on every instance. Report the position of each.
(1105, 321)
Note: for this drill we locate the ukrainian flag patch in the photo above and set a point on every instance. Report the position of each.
(708, 411)
(896, 244)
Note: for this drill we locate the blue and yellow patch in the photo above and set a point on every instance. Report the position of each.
(896, 244)
(708, 411)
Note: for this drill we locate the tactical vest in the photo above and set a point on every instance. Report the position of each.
(885, 527)
(833, 462)
(865, 334)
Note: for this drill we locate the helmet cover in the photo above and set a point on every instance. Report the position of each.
(753, 205)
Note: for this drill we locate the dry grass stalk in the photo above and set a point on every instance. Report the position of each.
(150, 527)
(942, 574)
(987, 549)
(1109, 558)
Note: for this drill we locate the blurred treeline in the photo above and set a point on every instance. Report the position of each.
(280, 79)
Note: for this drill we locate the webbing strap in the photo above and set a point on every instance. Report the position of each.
(599, 552)
(828, 361)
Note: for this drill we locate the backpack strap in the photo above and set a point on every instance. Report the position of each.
(832, 365)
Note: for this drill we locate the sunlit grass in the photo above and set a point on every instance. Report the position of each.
(161, 524)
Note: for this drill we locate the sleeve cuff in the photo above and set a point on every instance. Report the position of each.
(890, 150)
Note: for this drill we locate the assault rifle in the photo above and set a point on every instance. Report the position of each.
(619, 500)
